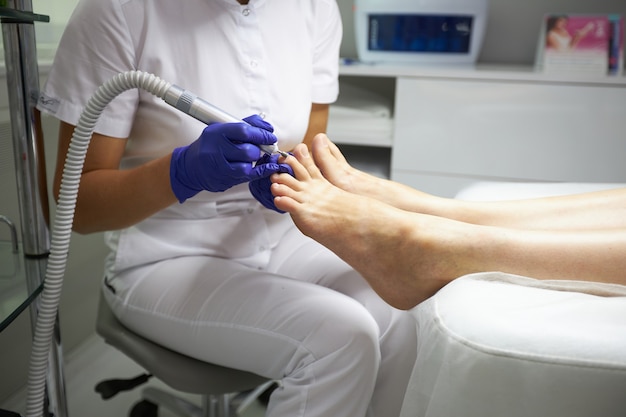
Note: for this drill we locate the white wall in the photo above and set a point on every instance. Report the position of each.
(59, 11)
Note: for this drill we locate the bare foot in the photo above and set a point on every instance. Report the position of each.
(379, 241)
(336, 169)
(339, 172)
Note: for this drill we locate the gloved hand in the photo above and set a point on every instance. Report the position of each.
(223, 156)
(260, 188)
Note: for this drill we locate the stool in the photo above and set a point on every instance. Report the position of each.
(218, 385)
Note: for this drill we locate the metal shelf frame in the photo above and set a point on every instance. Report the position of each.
(22, 72)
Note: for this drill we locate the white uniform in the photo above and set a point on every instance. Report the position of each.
(220, 277)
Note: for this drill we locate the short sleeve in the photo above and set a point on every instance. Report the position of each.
(326, 53)
(95, 47)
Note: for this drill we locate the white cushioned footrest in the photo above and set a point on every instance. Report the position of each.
(495, 190)
(494, 344)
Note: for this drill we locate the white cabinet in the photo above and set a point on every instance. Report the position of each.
(456, 126)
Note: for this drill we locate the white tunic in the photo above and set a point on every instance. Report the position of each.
(219, 50)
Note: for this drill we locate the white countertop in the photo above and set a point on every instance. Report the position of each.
(478, 72)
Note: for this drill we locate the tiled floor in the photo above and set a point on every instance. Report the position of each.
(94, 362)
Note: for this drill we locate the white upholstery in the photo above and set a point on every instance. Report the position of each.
(487, 190)
(499, 345)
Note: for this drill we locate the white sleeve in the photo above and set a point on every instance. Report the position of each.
(326, 53)
(95, 46)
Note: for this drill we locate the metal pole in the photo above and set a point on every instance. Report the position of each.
(23, 90)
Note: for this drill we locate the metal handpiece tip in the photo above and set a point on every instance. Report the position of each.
(283, 153)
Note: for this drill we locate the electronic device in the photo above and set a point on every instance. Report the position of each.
(420, 31)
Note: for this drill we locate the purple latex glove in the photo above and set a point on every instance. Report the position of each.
(223, 156)
(260, 188)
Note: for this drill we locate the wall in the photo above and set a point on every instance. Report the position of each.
(513, 27)
(59, 11)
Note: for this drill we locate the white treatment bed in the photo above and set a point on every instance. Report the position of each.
(499, 345)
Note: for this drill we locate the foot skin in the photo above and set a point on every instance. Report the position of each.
(377, 240)
(339, 172)
(336, 169)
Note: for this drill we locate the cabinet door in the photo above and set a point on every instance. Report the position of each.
(525, 131)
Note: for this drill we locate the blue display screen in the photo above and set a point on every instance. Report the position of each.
(419, 33)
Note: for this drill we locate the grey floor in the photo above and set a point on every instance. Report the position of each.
(96, 361)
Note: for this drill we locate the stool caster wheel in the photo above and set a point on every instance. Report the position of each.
(144, 408)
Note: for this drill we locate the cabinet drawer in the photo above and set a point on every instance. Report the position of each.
(510, 130)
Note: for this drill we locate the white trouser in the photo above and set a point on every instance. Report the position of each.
(307, 319)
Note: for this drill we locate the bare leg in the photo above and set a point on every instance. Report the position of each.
(406, 257)
(589, 211)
